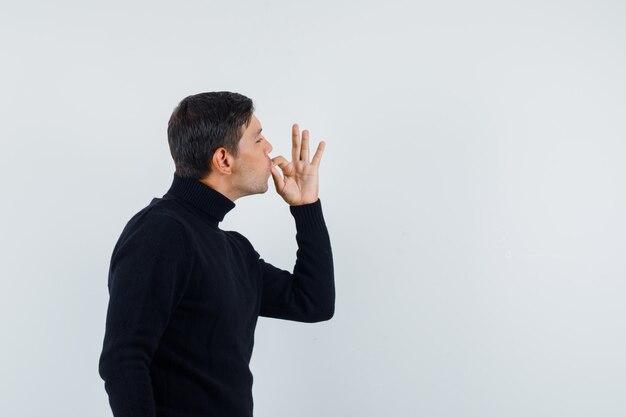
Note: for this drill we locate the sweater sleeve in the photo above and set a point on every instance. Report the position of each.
(148, 274)
(307, 294)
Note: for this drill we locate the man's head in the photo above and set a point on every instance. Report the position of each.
(215, 137)
(201, 124)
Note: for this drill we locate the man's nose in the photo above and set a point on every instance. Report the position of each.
(269, 148)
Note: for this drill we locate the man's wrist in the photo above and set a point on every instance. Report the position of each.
(308, 216)
(304, 203)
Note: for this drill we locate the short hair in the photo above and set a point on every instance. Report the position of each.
(201, 124)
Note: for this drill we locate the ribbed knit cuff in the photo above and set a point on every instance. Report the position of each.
(308, 216)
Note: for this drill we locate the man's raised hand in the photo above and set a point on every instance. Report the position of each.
(299, 184)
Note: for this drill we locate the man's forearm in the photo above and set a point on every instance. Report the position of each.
(314, 270)
(307, 294)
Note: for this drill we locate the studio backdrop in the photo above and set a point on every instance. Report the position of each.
(473, 186)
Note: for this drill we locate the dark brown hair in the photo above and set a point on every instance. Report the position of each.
(201, 124)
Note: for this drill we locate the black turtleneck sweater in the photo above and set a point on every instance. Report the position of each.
(184, 301)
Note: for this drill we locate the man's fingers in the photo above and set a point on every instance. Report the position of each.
(279, 183)
(280, 160)
(304, 146)
(295, 142)
(317, 158)
(283, 164)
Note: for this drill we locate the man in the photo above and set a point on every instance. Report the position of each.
(185, 295)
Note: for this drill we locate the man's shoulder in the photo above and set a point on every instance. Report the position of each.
(237, 236)
(159, 211)
(153, 232)
(160, 218)
(240, 239)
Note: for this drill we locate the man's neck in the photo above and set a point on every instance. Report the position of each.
(221, 186)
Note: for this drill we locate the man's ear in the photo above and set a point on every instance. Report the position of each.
(222, 161)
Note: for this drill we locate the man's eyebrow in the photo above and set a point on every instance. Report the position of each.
(259, 131)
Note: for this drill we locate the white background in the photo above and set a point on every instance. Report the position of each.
(473, 185)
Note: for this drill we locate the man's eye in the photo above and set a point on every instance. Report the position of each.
(259, 140)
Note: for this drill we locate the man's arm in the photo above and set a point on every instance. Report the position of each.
(307, 294)
(149, 272)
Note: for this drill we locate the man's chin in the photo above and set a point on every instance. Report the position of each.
(262, 189)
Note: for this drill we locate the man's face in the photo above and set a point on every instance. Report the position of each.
(252, 166)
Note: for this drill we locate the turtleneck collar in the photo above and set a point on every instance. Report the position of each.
(200, 195)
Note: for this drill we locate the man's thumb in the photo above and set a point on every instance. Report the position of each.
(278, 181)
